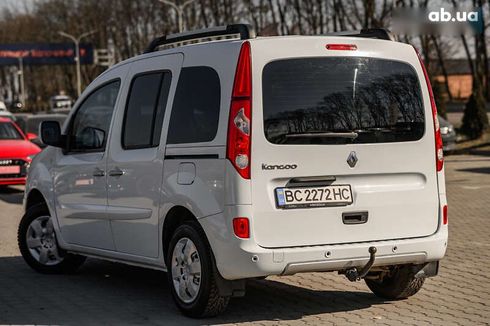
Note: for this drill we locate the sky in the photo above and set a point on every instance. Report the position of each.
(18, 4)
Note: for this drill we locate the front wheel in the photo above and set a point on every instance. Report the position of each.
(38, 245)
(399, 283)
(191, 273)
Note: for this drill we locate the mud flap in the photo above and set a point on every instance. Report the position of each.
(428, 270)
(227, 288)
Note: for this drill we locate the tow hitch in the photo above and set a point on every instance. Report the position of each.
(353, 274)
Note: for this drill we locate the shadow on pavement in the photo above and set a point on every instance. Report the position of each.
(484, 170)
(481, 152)
(11, 195)
(111, 293)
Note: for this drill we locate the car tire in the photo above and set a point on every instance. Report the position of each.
(400, 283)
(39, 247)
(191, 273)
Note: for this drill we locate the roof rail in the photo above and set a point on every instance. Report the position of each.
(246, 32)
(379, 33)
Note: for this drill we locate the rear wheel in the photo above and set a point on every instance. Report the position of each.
(38, 245)
(399, 283)
(191, 273)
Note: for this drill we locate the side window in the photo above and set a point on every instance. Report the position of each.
(145, 110)
(195, 111)
(90, 126)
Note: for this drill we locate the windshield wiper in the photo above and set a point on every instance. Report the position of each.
(350, 135)
(383, 130)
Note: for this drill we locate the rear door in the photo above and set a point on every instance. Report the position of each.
(135, 160)
(343, 143)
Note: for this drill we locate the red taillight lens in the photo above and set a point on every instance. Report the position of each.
(341, 47)
(240, 122)
(444, 215)
(243, 75)
(241, 227)
(437, 130)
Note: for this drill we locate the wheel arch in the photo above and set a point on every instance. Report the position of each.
(175, 217)
(35, 197)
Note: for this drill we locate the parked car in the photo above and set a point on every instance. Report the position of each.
(16, 153)
(8, 115)
(448, 134)
(3, 107)
(242, 158)
(21, 121)
(60, 104)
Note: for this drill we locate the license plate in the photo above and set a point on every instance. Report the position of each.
(10, 169)
(338, 195)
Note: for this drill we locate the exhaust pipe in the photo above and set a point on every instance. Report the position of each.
(353, 274)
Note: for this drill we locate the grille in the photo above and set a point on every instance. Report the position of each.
(21, 163)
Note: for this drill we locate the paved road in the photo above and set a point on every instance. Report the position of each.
(109, 293)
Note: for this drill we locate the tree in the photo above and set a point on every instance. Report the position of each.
(475, 119)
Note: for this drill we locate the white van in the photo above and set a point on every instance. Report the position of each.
(244, 157)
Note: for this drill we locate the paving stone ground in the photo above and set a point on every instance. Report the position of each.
(110, 293)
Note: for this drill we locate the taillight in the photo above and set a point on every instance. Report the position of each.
(241, 227)
(437, 130)
(240, 122)
(444, 215)
(341, 47)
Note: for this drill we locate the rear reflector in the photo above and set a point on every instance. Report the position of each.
(437, 130)
(341, 47)
(241, 227)
(444, 215)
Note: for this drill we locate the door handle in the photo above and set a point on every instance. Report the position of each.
(355, 217)
(98, 173)
(117, 172)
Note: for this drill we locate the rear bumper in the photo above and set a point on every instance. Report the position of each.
(238, 259)
(12, 181)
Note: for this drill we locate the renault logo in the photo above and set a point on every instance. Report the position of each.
(352, 159)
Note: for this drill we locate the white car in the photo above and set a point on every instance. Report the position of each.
(3, 107)
(241, 158)
(6, 114)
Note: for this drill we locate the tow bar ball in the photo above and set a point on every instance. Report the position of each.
(353, 274)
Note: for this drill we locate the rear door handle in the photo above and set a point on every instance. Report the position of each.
(355, 217)
(117, 172)
(98, 173)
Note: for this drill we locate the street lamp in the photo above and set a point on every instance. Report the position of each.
(20, 72)
(77, 40)
(180, 11)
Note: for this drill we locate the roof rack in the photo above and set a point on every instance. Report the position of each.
(244, 30)
(379, 33)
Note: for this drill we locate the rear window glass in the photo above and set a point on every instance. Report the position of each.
(341, 100)
(195, 111)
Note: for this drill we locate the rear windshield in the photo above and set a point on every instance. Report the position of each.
(341, 100)
(8, 131)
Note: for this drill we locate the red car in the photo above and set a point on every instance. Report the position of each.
(16, 153)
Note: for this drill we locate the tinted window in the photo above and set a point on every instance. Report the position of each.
(145, 110)
(90, 126)
(195, 112)
(341, 100)
(8, 131)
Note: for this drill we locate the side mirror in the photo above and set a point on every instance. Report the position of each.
(50, 132)
(31, 136)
